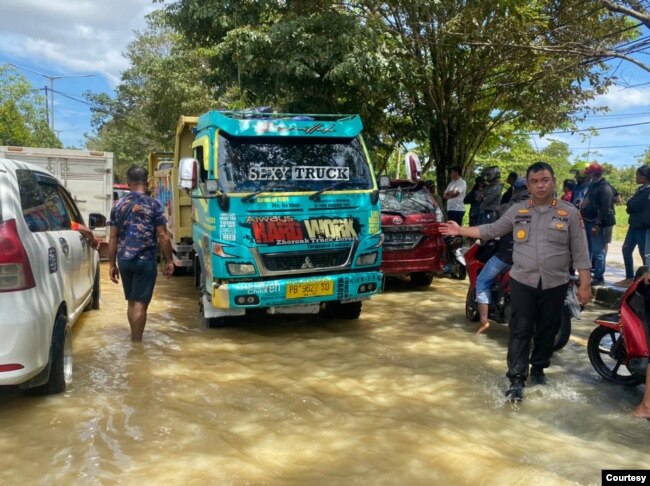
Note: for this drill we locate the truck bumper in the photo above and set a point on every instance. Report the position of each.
(297, 291)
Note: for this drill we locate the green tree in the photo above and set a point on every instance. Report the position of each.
(163, 82)
(23, 118)
(444, 74)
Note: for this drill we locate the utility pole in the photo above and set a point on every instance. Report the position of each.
(52, 79)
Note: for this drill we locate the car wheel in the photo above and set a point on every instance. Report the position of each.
(60, 360)
(97, 291)
(422, 279)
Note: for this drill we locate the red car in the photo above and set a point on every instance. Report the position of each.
(413, 246)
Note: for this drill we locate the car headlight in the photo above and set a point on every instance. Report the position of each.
(367, 259)
(241, 268)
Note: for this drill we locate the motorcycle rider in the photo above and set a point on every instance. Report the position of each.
(500, 261)
(582, 183)
(491, 195)
(548, 236)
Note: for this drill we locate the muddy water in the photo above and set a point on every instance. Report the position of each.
(405, 395)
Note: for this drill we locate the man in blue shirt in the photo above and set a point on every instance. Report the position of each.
(137, 224)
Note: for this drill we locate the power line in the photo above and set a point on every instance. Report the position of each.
(591, 129)
(610, 147)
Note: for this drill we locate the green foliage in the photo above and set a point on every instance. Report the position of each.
(23, 119)
(645, 158)
(163, 82)
(460, 80)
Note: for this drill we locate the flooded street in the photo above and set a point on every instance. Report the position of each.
(404, 395)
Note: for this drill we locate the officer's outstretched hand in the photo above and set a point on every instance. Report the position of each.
(450, 228)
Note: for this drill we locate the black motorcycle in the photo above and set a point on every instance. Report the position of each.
(454, 259)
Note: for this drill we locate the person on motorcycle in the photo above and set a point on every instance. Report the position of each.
(548, 236)
(643, 409)
(491, 195)
(582, 183)
(500, 261)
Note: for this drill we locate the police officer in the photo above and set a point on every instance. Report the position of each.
(548, 236)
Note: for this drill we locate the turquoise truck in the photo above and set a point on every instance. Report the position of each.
(285, 213)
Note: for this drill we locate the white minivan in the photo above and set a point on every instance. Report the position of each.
(49, 274)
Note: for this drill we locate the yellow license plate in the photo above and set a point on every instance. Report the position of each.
(309, 289)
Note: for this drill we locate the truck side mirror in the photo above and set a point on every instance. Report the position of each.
(188, 173)
(96, 220)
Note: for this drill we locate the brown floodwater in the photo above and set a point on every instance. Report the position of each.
(404, 395)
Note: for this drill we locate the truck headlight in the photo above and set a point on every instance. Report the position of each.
(241, 269)
(367, 259)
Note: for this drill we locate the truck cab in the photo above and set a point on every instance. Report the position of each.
(285, 214)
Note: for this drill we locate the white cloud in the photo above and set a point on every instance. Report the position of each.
(618, 98)
(79, 36)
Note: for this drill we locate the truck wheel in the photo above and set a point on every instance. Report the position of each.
(422, 279)
(213, 322)
(60, 360)
(197, 272)
(349, 310)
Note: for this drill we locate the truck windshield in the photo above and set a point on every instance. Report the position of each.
(249, 164)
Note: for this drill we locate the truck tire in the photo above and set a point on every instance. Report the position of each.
(338, 310)
(197, 272)
(213, 322)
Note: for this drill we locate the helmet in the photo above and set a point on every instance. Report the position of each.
(579, 168)
(491, 174)
(520, 184)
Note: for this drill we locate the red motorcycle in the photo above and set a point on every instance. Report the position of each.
(618, 347)
(500, 309)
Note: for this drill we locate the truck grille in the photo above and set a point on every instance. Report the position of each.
(305, 261)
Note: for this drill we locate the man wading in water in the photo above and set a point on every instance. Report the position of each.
(548, 236)
(136, 222)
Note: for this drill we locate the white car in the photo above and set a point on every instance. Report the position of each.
(49, 274)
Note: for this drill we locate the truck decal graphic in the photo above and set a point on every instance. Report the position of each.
(284, 230)
(299, 173)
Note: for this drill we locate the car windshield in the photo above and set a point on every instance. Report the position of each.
(251, 164)
(407, 201)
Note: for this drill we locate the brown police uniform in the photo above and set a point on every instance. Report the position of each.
(547, 241)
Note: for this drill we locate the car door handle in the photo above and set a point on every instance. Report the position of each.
(65, 248)
(83, 241)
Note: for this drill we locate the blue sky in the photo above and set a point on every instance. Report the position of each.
(88, 37)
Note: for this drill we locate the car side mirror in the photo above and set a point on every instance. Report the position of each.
(96, 220)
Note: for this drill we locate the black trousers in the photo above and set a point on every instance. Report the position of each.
(536, 316)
